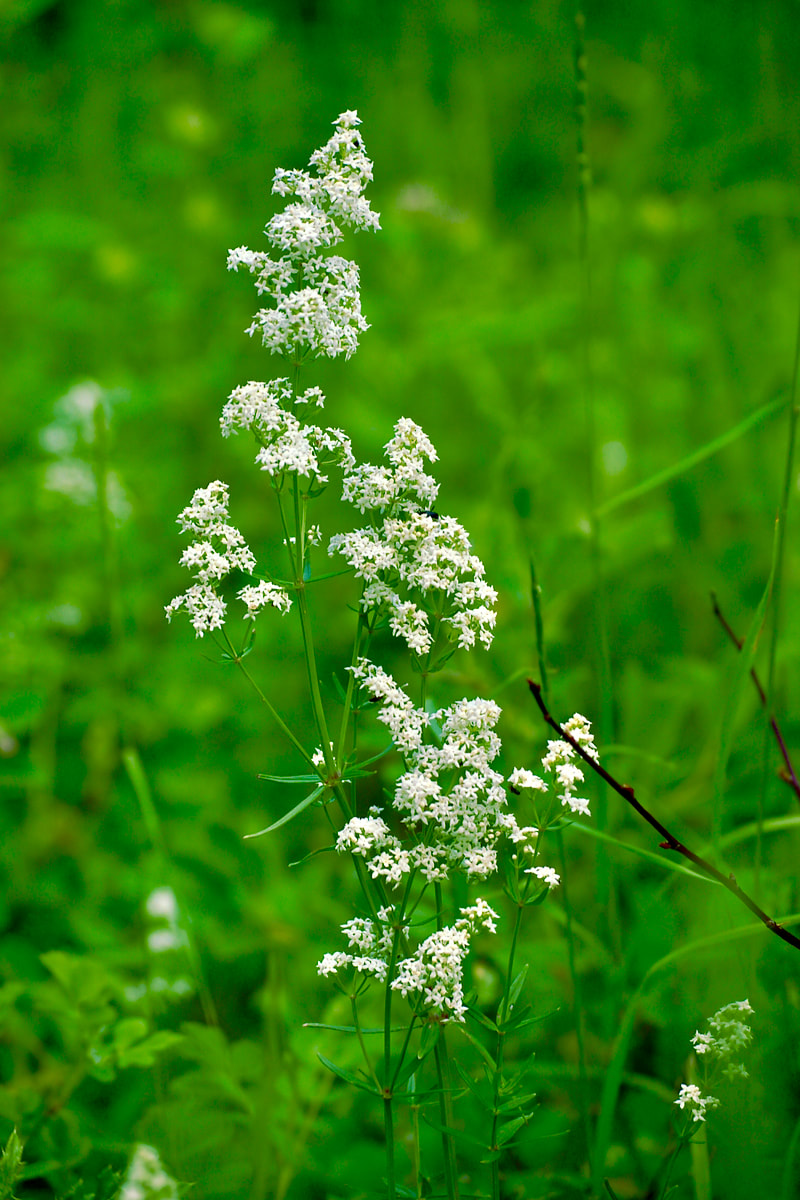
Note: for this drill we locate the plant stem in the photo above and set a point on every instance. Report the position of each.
(273, 711)
(783, 514)
(500, 1052)
(442, 1060)
(577, 1000)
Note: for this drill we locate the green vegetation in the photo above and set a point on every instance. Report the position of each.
(613, 426)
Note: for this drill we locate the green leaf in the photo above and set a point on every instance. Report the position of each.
(517, 1103)
(513, 996)
(481, 1091)
(482, 1019)
(508, 1130)
(663, 860)
(348, 1076)
(429, 1039)
(484, 1053)
(290, 778)
(145, 1053)
(350, 1028)
(10, 1166)
(294, 812)
(697, 456)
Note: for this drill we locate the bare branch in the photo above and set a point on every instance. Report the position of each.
(670, 842)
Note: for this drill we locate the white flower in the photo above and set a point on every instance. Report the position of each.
(258, 596)
(434, 972)
(410, 553)
(728, 1034)
(547, 874)
(520, 779)
(315, 298)
(692, 1098)
(146, 1178)
(218, 550)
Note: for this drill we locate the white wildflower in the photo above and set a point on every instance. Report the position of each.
(727, 1036)
(434, 973)
(546, 874)
(692, 1098)
(146, 1178)
(315, 298)
(258, 596)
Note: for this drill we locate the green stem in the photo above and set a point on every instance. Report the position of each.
(500, 1052)
(605, 885)
(446, 1115)
(783, 513)
(362, 1044)
(273, 711)
(442, 1060)
(351, 684)
(577, 999)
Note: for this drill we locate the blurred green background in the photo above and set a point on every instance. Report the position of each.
(138, 145)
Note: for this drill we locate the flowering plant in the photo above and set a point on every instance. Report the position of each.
(448, 815)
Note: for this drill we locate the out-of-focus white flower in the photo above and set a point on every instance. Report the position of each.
(146, 1178)
(692, 1098)
(727, 1036)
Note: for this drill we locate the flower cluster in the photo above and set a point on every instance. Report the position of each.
(219, 548)
(451, 802)
(146, 1178)
(417, 566)
(287, 444)
(728, 1034)
(372, 942)
(559, 764)
(434, 973)
(315, 296)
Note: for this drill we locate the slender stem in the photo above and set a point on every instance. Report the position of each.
(577, 999)
(500, 1052)
(361, 1042)
(388, 1082)
(442, 1061)
(273, 711)
(788, 774)
(670, 841)
(788, 478)
(605, 874)
(351, 683)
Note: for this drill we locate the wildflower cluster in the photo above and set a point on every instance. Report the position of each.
(372, 942)
(451, 802)
(288, 444)
(316, 299)
(433, 974)
(417, 566)
(727, 1036)
(560, 766)
(218, 550)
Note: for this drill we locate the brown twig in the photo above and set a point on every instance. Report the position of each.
(788, 775)
(670, 842)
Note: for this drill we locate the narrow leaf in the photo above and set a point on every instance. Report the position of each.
(691, 460)
(347, 1076)
(298, 808)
